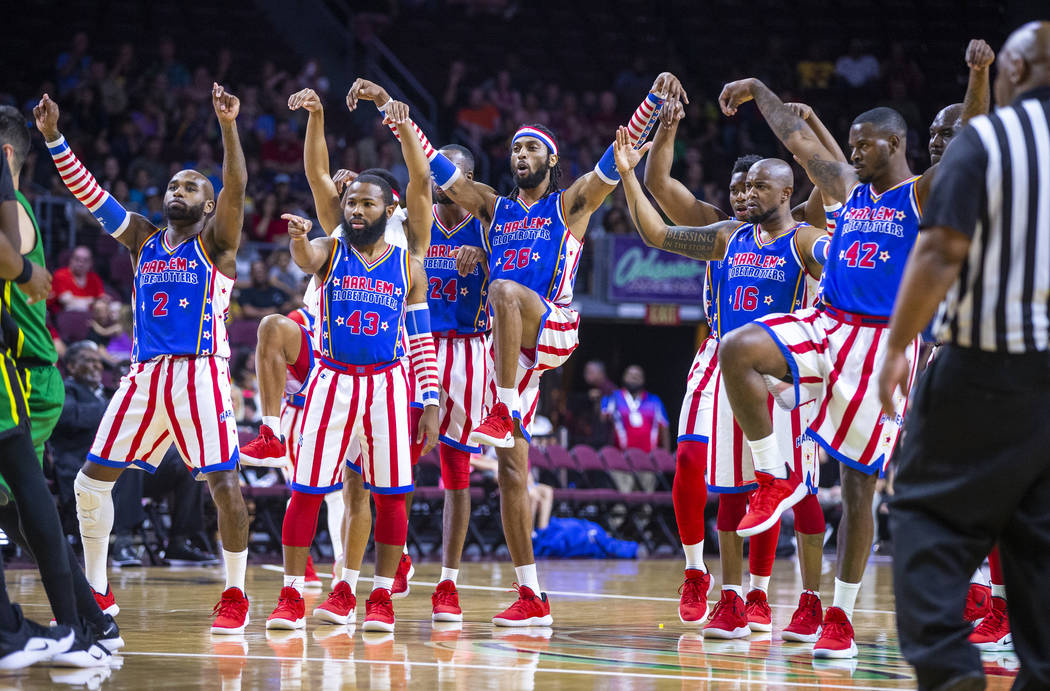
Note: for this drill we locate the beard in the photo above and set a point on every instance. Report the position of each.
(759, 216)
(633, 388)
(533, 178)
(368, 235)
(184, 213)
(440, 197)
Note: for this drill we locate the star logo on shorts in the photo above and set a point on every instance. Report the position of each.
(384, 326)
(535, 256)
(901, 215)
(192, 264)
(183, 302)
(339, 321)
(206, 335)
(463, 291)
(769, 300)
(397, 291)
(884, 256)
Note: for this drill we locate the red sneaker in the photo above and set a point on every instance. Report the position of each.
(805, 622)
(266, 450)
(290, 612)
(993, 633)
(978, 603)
(728, 619)
(772, 498)
(497, 429)
(836, 636)
(404, 574)
(692, 606)
(340, 607)
(446, 602)
(527, 610)
(756, 609)
(231, 614)
(379, 612)
(107, 603)
(312, 580)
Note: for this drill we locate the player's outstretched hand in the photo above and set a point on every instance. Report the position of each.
(396, 112)
(800, 109)
(38, 286)
(364, 90)
(979, 55)
(672, 113)
(298, 226)
(226, 105)
(894, 375)
(427, 432)
(46, 115)
(669, 87)
(733, 94)
(342, 179)
(468, 257)
(627, 157)
(306, 99)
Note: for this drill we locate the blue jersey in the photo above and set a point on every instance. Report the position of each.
(181, 301)
(870, 246)
(532, 245)
(362, 306)
(457, 303)
(756, 278)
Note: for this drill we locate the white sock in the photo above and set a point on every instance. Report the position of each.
(694, 556)
(767, 456)
(738, 589)
(404, 550)
(351, 576)
(294, 582)
(508, 397)
(236, 566)
(846, 596)
(382, 582)
(95, 511)
(336, 508)
(449, 575)
(527, 577)
(273, 422)
(999, 591)
(760, 583)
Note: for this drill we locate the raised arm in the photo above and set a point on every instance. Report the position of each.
(419, 200)
(315, 161)
(129, 229)
(477, 198)
(832, 176)
(978, 99)
(674, 198)
(309, 255)
(705, 242)
(228, 222)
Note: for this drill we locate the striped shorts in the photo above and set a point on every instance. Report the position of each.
(694, 422)
(834, 358)
(558, 337)
(464, 369)
(169, 399)
(346, 403)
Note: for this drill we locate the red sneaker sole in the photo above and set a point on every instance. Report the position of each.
(263, 462)
(500, 443)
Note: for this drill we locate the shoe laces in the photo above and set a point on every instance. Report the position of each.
(837, 626)
(692, 589)
(992, 623)
(444, 597)
(722, 604)
(807, 610)
(384, 605)
(343, 596)
(523, 600)
(229, 605)
(764, 498)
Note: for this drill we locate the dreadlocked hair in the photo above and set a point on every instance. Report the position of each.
(555, 171)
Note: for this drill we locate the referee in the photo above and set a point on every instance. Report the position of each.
(975, 462)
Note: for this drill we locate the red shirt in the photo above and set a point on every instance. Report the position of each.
(66, 293)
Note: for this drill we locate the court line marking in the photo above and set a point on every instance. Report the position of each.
(567, 593)
(499, 668)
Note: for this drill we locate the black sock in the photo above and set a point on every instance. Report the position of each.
(7, 615)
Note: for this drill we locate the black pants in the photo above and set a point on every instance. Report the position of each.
(172, 478)
(974, 470)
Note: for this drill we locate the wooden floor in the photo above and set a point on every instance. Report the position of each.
(616, 626)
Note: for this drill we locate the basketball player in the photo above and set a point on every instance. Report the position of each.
(695, 429)
(533, 239)
(35, 356)
(373, 295)
(828, 353)
(178, 389)
(772, 263)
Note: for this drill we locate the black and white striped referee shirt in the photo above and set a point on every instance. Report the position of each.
(993, 184)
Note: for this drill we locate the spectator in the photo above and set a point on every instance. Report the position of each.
(857, 68)
(285, 273)
(479, 117)
(262, 297)
(72, 66)
(174, 72)
(150, 161)
(77, 286)
(637, 416)
(815, 71)
(283, 153)
(615, 222)
(267, 225)
(584, 415)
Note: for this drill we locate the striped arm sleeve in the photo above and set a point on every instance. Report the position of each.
(444, 171)
(422, 352)
(106, 210)
(638, 129)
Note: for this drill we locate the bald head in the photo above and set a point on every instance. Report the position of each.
(769, 186)
(1024, 62)
(774, 170)
(946, 124)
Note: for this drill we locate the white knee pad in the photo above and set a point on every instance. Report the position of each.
(94, 506)
(336, 509)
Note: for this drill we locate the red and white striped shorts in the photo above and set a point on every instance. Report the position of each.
(180, 400)
(558, 337)
(345, 403)
(464, 368)
(730, 466)
(694, 422)
(834, 358)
